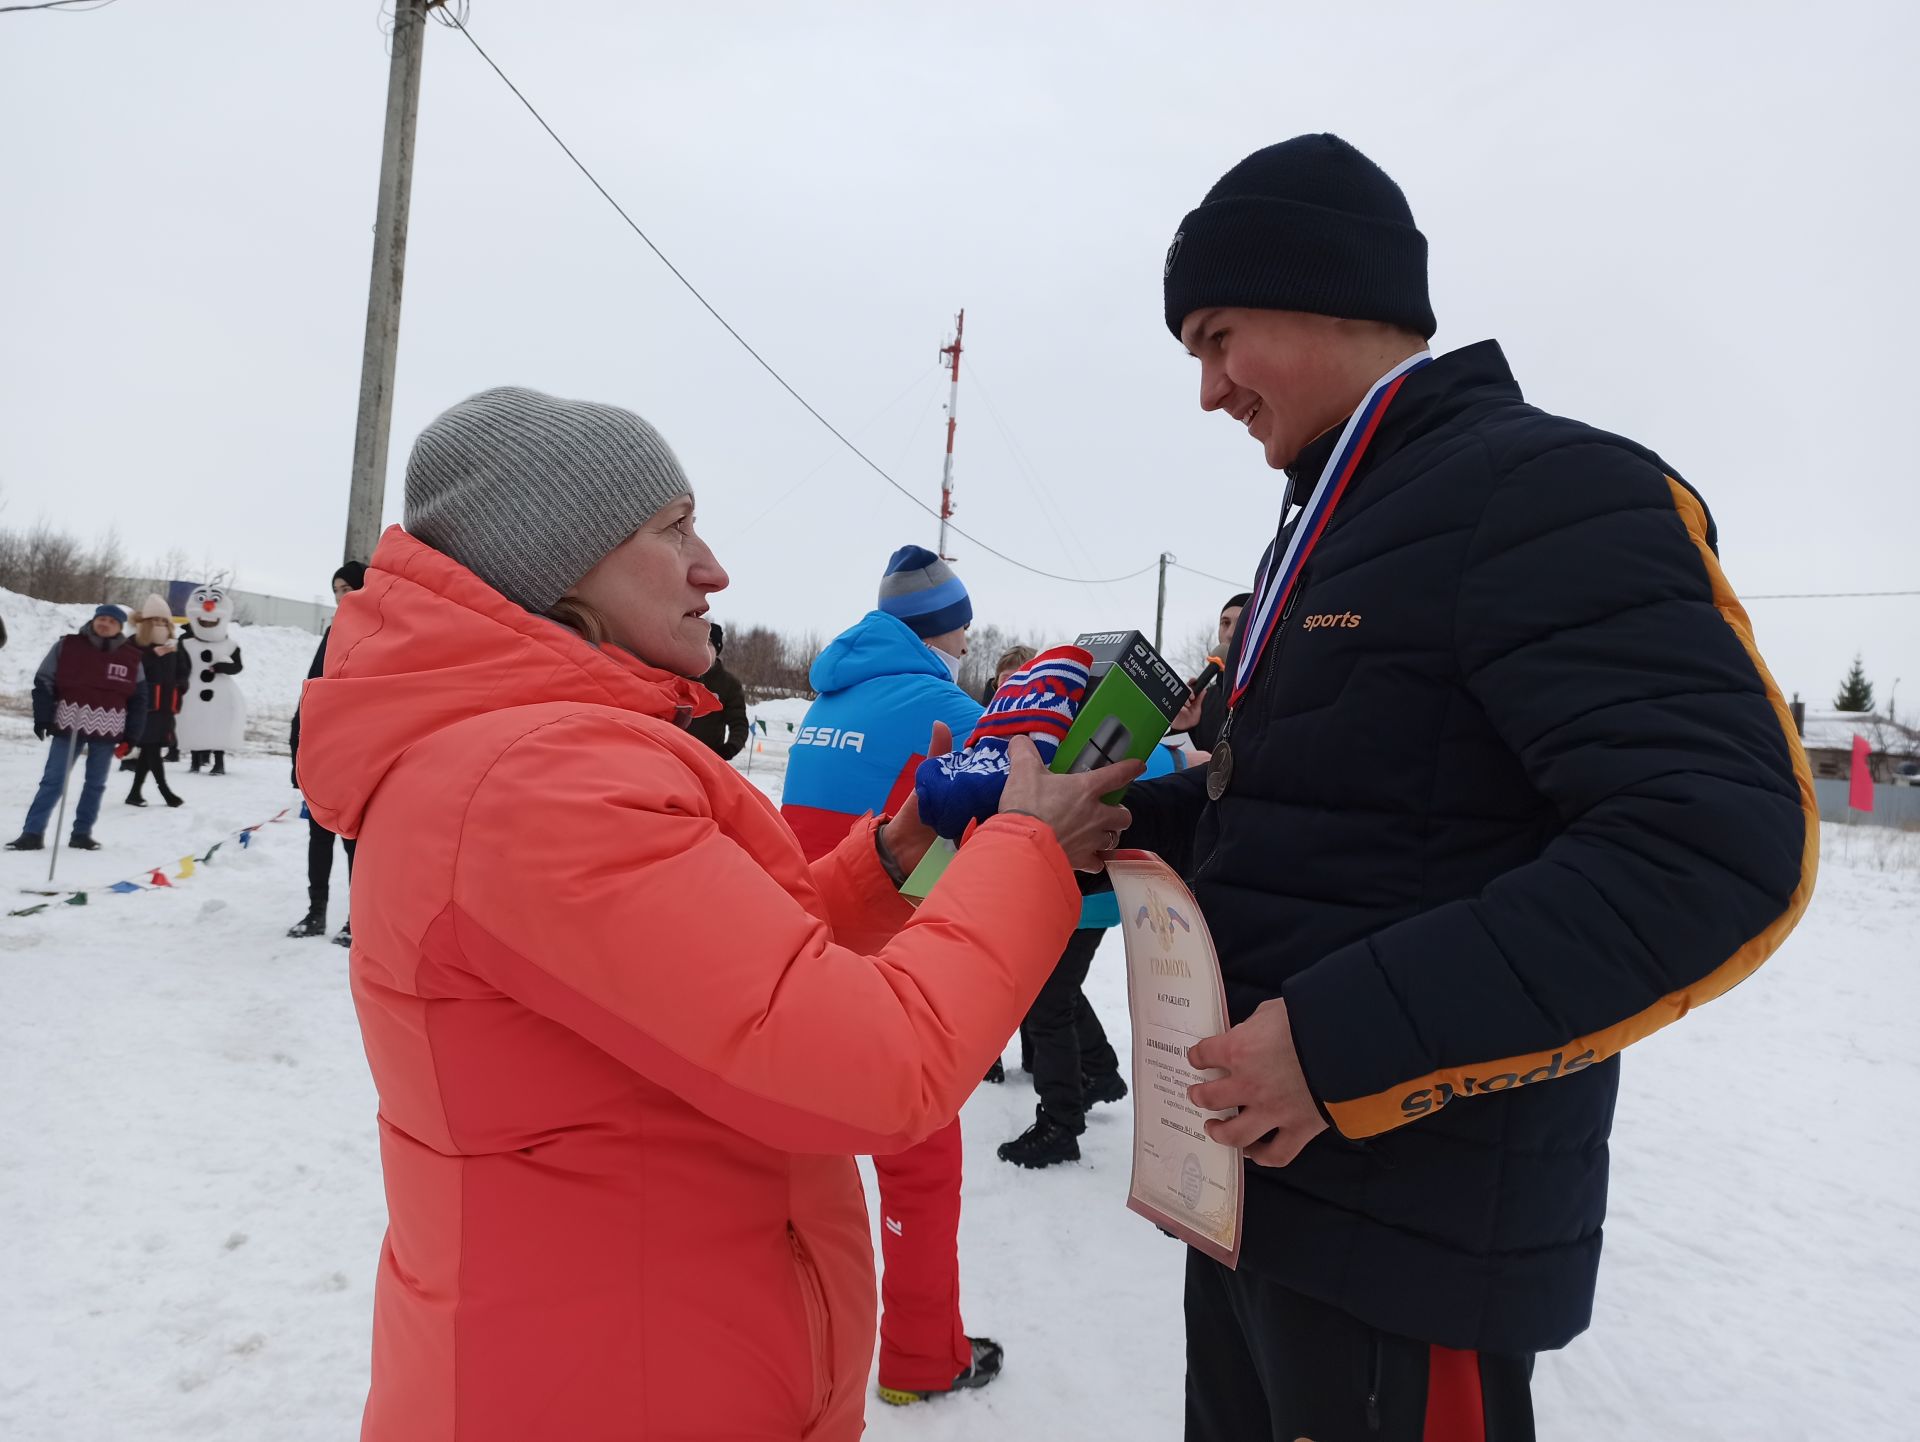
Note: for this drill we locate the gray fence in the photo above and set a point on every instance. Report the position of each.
(249, 608)
(1897, 806)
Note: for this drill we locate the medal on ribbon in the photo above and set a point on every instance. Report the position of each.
(1274, 586)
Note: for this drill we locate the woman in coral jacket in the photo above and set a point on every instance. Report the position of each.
(626, 1039)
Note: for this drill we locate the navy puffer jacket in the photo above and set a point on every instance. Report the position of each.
(1512, 789)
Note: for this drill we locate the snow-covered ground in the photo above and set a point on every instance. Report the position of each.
(190, 1203)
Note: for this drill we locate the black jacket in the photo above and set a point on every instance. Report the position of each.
(293, 731)
(1205, 733)
(164, 677)
(1511, 790)
(724, 731)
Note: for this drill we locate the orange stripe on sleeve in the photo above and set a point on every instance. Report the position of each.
(1371, 1115)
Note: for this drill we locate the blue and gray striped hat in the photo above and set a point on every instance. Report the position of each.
(921, 590)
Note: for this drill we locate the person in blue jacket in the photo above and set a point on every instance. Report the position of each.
(882, 686)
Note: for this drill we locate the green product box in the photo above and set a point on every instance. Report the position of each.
(1132, 697)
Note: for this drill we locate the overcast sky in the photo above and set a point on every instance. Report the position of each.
(1692, 223)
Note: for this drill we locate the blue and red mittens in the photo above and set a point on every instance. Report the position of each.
(1038, 701)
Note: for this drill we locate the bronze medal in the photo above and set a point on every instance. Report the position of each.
(1219, 770)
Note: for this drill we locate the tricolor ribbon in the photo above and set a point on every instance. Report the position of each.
(1275, 583)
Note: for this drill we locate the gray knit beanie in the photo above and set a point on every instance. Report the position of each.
(529, 491)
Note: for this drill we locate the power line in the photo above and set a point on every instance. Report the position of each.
(828, 459)
(455, 20)
(1074, 554)
(1191, 571)
(70, 7)
(1821, 595)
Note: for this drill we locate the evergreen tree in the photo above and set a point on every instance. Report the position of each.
(1856, 692)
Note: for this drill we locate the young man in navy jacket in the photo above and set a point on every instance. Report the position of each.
(1504, 786)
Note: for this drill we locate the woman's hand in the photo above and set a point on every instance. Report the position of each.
(1087, 828)
(906, 835)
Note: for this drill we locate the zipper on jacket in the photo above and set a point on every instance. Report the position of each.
(1373, 1385)
(1270, 666)
(813, 1299)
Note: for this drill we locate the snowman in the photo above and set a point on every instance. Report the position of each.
(213, 710)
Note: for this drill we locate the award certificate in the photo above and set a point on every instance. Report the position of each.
(1183, 1180)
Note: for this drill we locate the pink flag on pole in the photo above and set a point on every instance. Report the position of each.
(1860, 783)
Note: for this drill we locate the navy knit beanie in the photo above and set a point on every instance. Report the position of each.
(921, 590)
(1310, 225)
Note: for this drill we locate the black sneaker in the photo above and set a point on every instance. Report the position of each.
(314, 923)
(27, 841)
(987, 1356)
(77, 842)
(997, 1073)
(344, 936)
(1108, 1088)
(1041, 1145)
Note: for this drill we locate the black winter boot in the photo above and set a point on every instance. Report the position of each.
(344, 936)
(77, 842)
(27, 841)
(985, 1366)
(219, 764)
(1108, 1088)
(314, 923)
(997, 1073)
(1041, 1145)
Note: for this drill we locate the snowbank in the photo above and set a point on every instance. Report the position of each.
(275, 658)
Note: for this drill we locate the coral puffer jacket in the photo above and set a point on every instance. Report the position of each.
(627, 1041)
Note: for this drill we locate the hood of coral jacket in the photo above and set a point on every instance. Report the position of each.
(425, 645)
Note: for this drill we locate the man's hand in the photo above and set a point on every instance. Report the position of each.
(908, 837)
(1189, 716)
(1263, 1078)
(41, 731)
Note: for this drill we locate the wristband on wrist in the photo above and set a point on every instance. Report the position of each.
(888, 862)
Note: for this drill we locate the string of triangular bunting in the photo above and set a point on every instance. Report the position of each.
(157, 878)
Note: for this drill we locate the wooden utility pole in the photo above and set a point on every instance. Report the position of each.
(368, 495)
(1160, 606)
